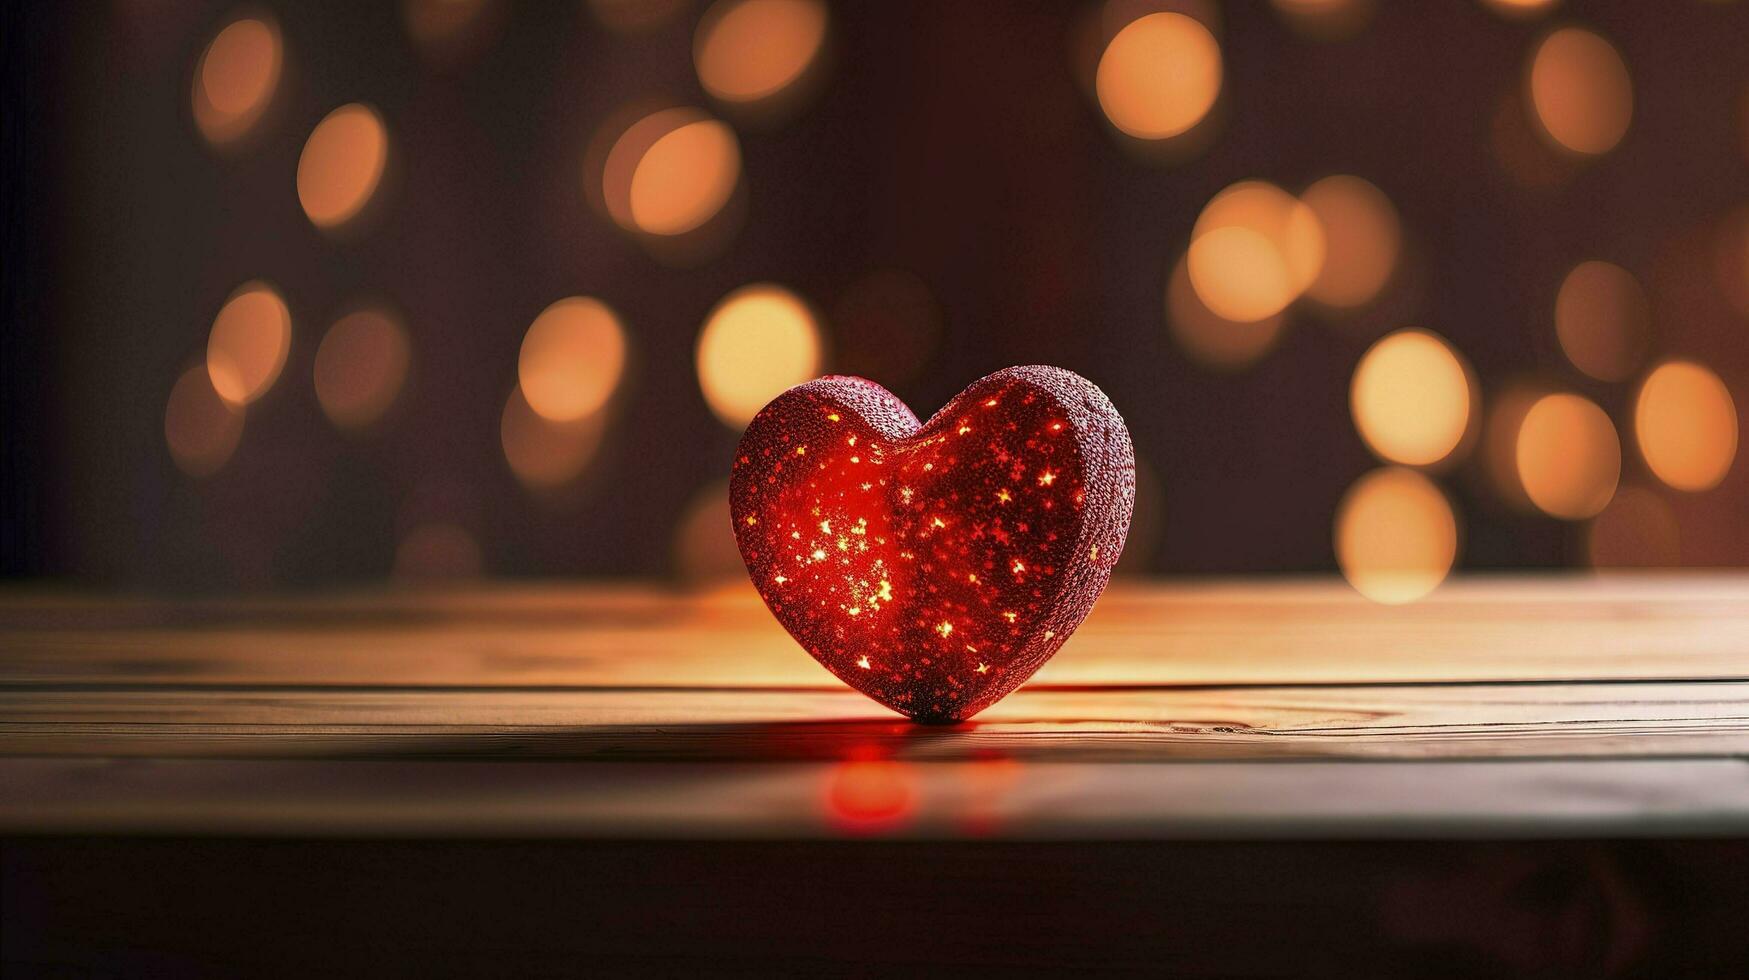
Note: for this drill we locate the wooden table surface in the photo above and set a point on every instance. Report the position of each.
(1499, 707)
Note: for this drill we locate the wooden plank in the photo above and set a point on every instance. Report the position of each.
(947, 800)
(1037, 723)
(628, 711)
(1689, 626)
(112, 907)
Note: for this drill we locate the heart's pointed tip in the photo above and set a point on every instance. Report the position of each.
(940, 719)
(937, 721)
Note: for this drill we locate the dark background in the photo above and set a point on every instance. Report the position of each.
(950, 141)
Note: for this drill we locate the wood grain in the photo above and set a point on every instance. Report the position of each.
(1522, 628)
(988, 799)
(1511, 706)
(1043, 724)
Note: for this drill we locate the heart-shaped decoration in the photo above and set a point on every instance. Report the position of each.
(934, 567)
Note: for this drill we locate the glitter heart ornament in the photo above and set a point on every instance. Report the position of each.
(934, 567)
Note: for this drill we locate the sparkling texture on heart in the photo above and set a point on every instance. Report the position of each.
(934, 567)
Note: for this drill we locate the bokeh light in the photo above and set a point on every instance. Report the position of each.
(685, 178)
(1637, 529)
(1603, 320)
(1520, 9)
(439, 551)
(1506, 411)
(1362, 236)
(1743, 120)
(1159, 76)
(361, 365)
(704, 543)
(572, 357)
(342, 165)
(636, 16)
(1209, 338)
(542, 453)
(1326, 20)
(1396, 535)
(1580, 91)
(1254, 249)
(748, 51)
(670, 172)
(1731, 258)
(1522, 149)
(1568, 456)
(236, 78)
(249, 342)
(200, 428)
(758, 342)
(1411, 398)
(886, 324)
(447, 31)
(1685, 423)
(438, 21)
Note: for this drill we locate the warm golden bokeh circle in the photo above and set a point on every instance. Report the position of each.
(361, 365)
(201, 429)
(1507, 408)
(670, 172)
(1254, 249)
(1580, 91)
(1568, 456)
(1396, 535)
(1362, 236)
(1411, 398)
(621, 158)
(750, 50)
(236, 78)
(1685, 423)
(685, 178)
(571, 360)
(1210, 339)
(1603, 320)
(249, 342)
(1637, 529)
(342, 164)
(542, 453)
(1238, 273)
(1159, 76)
(758, 342)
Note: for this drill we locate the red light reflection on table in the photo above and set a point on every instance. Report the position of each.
(871, 795)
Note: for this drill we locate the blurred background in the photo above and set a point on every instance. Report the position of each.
(326, 293)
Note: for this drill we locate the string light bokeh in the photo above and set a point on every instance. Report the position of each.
(1389, 290)
(236, 78)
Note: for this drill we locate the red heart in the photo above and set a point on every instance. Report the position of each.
(934, 568)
